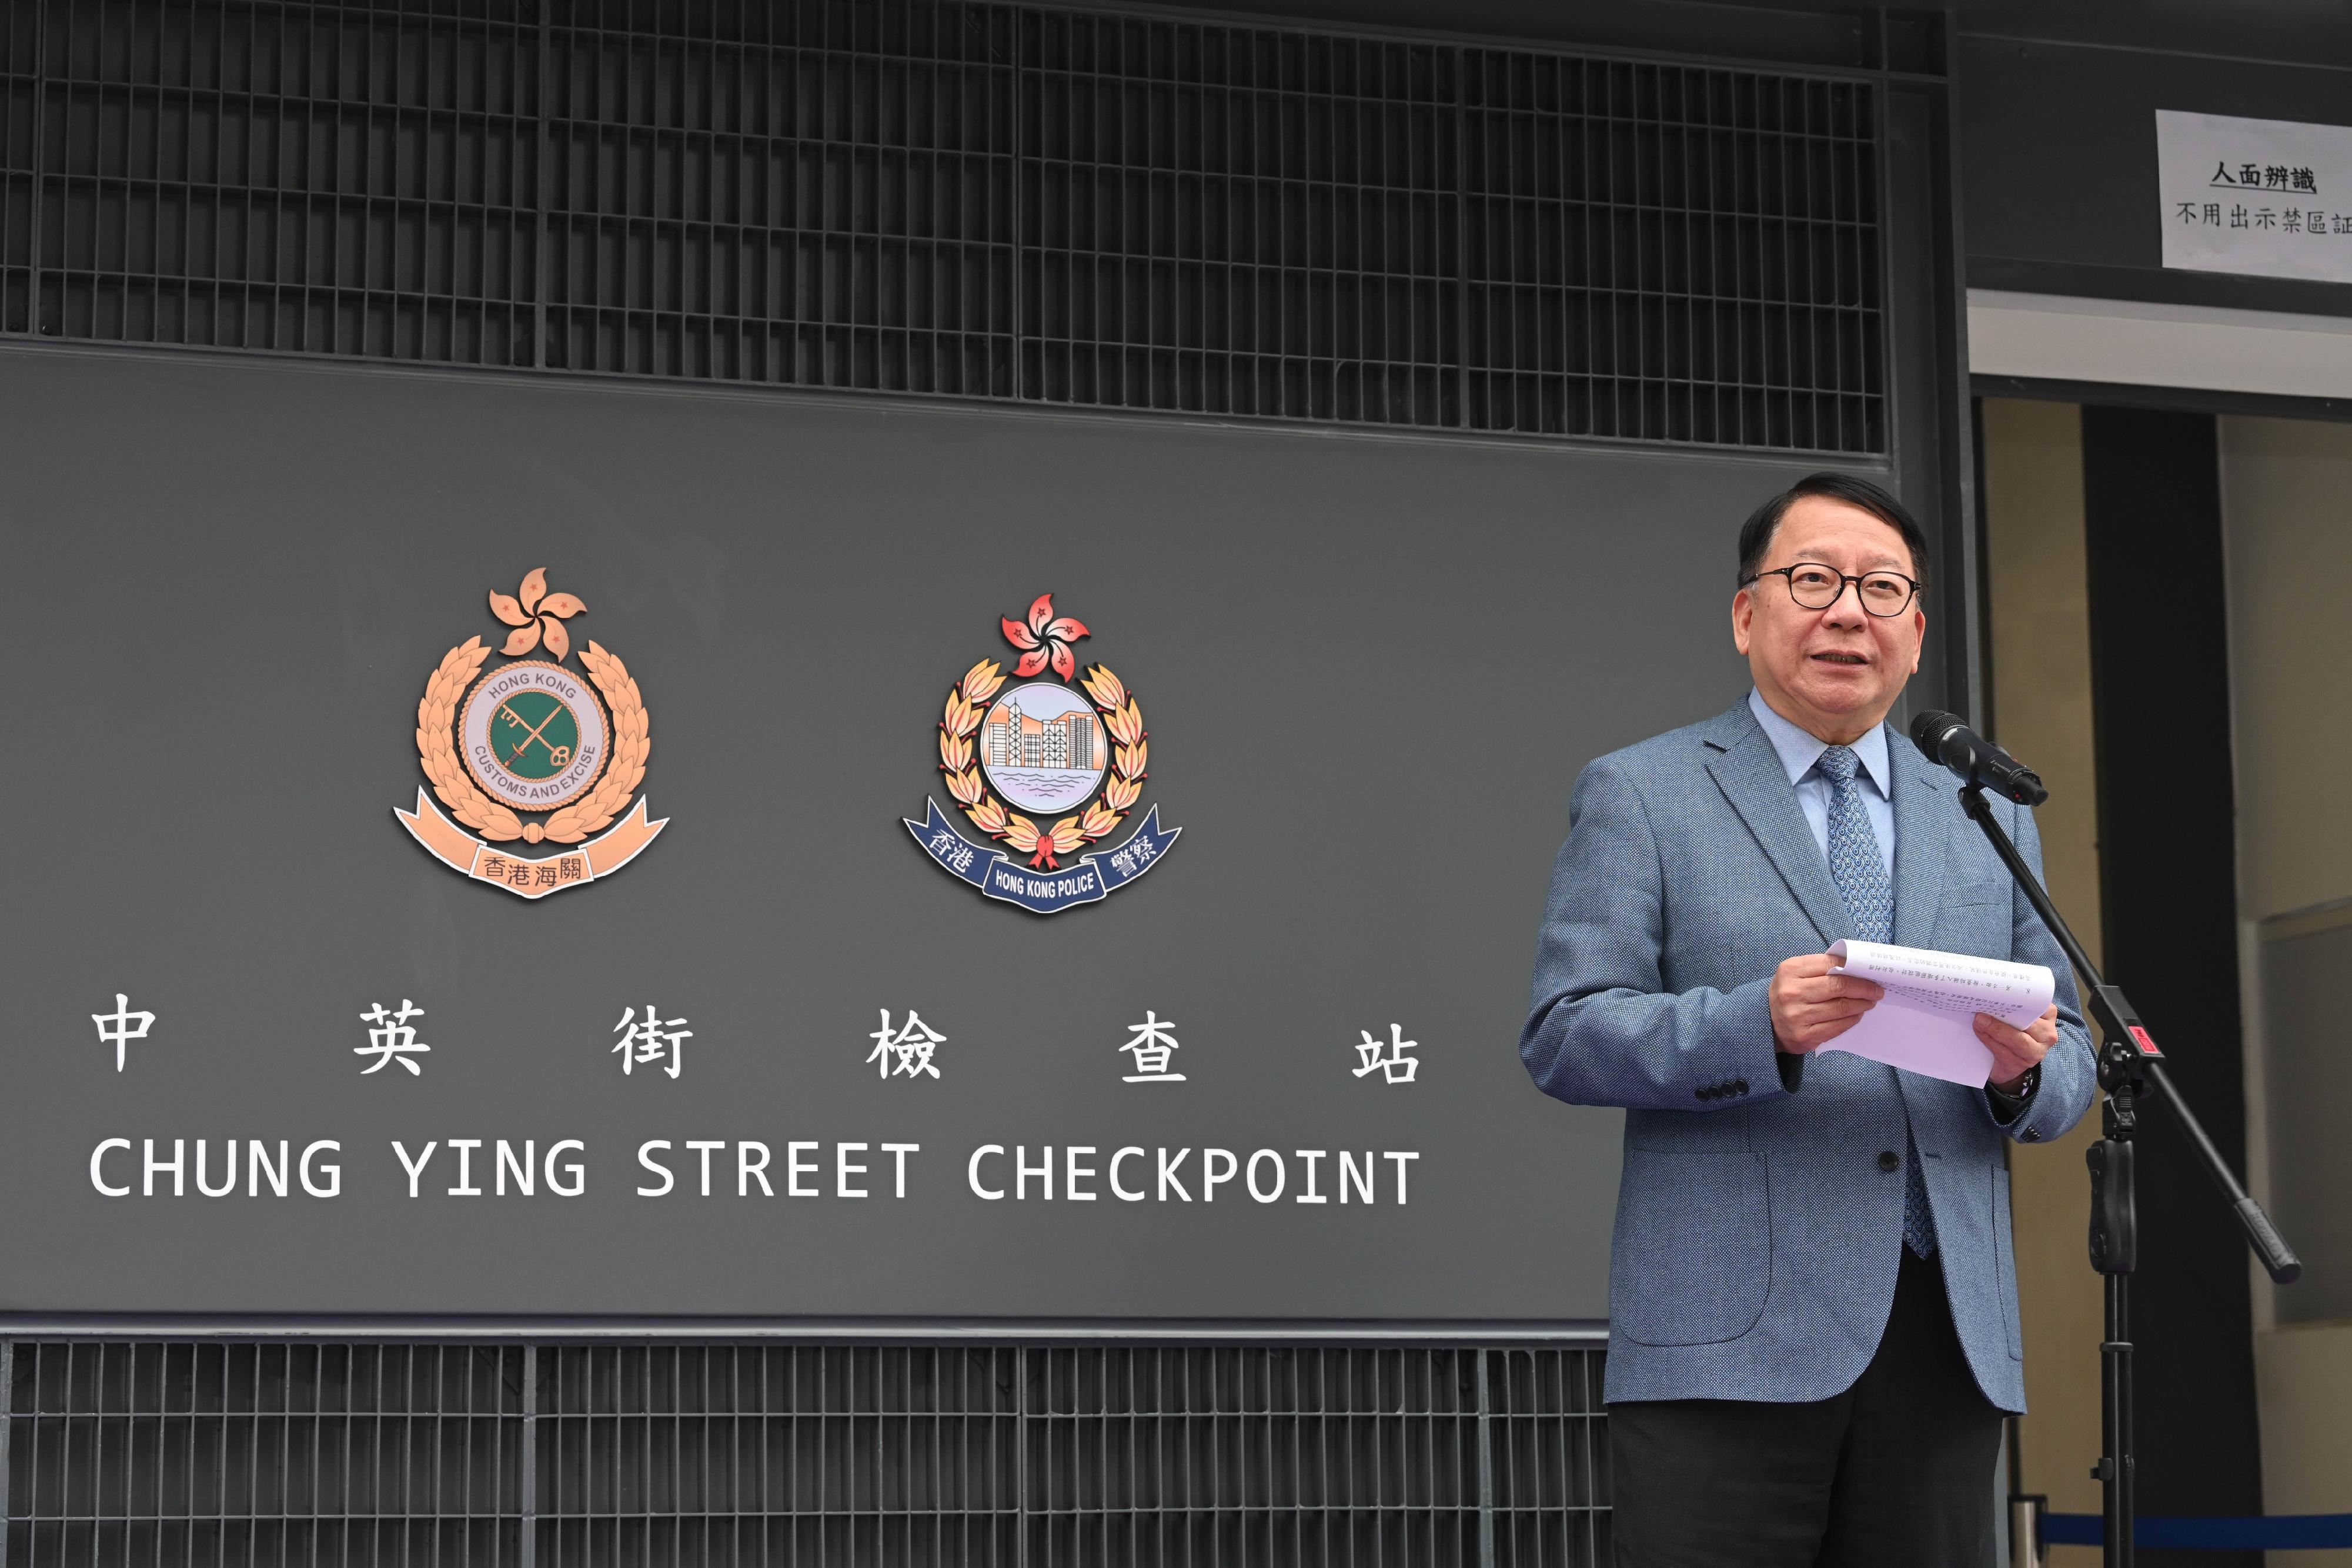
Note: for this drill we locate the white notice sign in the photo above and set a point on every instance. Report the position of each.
(2271, 197)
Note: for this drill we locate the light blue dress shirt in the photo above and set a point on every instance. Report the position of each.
(1798, 751)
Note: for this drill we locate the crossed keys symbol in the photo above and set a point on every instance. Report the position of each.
(558, 754)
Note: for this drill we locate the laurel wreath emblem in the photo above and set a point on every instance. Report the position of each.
(436, 718)
(1122, 715)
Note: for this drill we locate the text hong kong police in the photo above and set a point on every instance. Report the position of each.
(720, 1167)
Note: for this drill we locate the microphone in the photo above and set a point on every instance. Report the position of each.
(1948, 740)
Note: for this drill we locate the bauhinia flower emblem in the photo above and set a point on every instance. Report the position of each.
(539, 616)
(1045, 740)
(1045, 640)
(532, 739)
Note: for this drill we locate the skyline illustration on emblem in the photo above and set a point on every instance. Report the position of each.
(1045, 747)
(529, 738)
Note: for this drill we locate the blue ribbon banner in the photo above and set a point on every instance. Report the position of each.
(995, 871)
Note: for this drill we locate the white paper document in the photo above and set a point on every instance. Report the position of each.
(2267, 197)
(1927, 1021)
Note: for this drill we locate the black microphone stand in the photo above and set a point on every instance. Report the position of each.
(2129, 1063)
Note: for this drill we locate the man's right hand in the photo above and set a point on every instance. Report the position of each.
(1812, 1007)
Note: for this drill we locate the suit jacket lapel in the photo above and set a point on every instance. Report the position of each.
(1748, 772)
(1924, 810)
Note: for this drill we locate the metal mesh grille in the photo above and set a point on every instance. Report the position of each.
(1237, 221)
(178, 1453)
(730, 1455)
(956, 199)
(20, 101)
(1671, 254)
(311, 179)
(813, 194)
(1253, 1457)
(1549, 1458)
(721, 1455)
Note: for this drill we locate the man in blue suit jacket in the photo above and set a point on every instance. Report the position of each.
(1812, 1293)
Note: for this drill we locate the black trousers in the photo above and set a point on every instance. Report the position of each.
(1895, 1473)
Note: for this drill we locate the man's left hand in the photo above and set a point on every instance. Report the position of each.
(2017, 1052)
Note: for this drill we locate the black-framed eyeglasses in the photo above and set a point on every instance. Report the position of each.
(1817, 587)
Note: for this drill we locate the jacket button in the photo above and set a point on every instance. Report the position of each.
(1700, 1094)
(1888, 1160)
(2032, 1136)
(1739, 1086)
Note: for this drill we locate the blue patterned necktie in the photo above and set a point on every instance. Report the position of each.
(1860, 872)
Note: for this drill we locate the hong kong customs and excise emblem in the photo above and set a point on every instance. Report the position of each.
(1072, 756)
(530, 750)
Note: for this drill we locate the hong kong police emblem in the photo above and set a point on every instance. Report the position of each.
(1071, 756)
(532, 750)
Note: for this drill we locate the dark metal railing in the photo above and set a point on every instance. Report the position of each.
(950, 198)
(189, 1452)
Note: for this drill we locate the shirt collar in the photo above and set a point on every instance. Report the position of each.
(1799, 750)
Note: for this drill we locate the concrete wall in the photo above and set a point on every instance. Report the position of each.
(2287, 503)
(2287, 506)
(2039, 624)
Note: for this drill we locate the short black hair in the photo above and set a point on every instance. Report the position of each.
(1756, 534)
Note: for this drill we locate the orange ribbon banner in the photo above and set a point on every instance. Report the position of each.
(575, 866)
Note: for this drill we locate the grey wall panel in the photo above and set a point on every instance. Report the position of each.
(1371, 668)
(2302, 996)
(2057, 165)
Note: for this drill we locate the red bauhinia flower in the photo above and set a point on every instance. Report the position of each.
(1044, 640)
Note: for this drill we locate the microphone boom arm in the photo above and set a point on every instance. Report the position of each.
(2128, 1062)
(2128, 1054)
